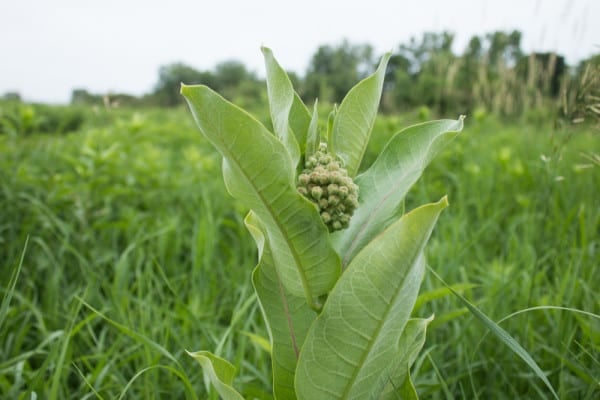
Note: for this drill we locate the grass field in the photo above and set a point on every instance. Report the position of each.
(120, 249)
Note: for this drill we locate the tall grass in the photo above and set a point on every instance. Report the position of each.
(524, 227)
(120, 249)
(135, 254)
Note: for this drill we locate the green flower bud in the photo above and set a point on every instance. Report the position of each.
(320, 169)
(325, 160)
(324, 182)
(333, 189)
(314, 177)
(303, 191)
(352, 201)
(343, 192)
(346, 181)
(324, 179)
(336, 177)
(303, 179)
(344, 219)
(316, 192)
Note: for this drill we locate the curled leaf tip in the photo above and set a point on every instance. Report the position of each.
(444, 202)
(183, 88)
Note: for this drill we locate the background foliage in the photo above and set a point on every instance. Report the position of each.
(493, 74)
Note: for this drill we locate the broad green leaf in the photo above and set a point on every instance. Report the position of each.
(348, 353)
(407, 390)
(281, 97)
(288, 317)
(330, 119)
(312, 137)
(410, 344)
(384, 185)
(219, 372)
(257, 170)
(354, 121)
(300, 120)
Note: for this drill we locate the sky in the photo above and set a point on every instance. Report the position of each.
(50, 47)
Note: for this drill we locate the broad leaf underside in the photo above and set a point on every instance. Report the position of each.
(353, 344)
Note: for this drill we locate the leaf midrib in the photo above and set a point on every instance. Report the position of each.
(383, 200)
(370, 219)
(295, 255)
(365, 143)
(377, 331)
(287, 313)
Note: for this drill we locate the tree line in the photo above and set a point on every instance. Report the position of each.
(492, 73)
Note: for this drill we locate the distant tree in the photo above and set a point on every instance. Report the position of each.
(397, 62)
(170, 77)
(418, 52)
(295, 78)
(504, 47)
(231, 74)
(12, 96)
(581, 98)
(333, 70)
(470, 66)
(82, 96)
(486, 75)
(544, 71)
(421, 70)
(231, 78)
(438, 70)
(234, 81)
(398, 84)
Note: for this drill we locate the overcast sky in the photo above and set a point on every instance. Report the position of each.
(49, 47)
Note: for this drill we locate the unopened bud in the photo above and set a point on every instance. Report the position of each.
(316, 192)
(303, 179)
(327, 184)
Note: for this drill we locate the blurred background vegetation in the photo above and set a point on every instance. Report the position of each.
(491, 75)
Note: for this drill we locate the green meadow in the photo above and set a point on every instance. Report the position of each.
(120, 249)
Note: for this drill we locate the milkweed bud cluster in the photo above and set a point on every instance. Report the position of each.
(324, 182)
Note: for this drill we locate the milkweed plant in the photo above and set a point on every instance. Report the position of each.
(340, 263)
